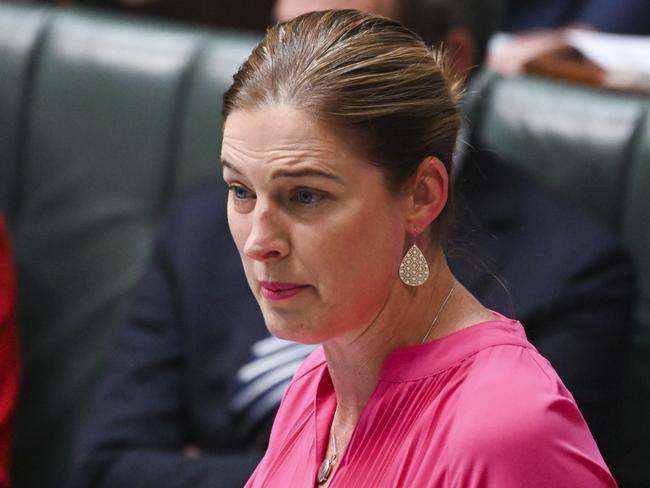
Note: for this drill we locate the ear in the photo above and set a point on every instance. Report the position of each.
(428, 193)
(461, 46)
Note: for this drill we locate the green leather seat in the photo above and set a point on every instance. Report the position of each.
(199, 139)
(572, 139)
(20, 34)
(107, 118)
(635, 231)
(592, 147)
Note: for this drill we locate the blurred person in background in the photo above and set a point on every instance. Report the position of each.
(540, 26)
(251, 15)
(9, 364)
(615, 16)
(195, 379)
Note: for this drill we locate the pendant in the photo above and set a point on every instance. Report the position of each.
(325, 470)
(414, 269)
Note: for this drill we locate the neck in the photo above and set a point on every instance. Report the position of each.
(355, 363)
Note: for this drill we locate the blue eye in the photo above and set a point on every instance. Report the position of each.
(241, 193)
(307, 197)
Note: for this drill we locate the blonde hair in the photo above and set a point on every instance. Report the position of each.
(365, 76)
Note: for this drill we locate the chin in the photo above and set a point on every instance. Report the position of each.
(294, 331)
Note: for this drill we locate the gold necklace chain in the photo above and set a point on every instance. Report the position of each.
(435, 319)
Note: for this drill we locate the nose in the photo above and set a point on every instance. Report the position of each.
(267, 238)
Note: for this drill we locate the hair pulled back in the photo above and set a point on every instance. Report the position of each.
(366, 77)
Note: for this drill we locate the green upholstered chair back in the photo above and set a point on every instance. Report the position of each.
(102, 120)
(20, 31)
(591, 147)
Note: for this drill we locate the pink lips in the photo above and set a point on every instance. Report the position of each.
(274, 290)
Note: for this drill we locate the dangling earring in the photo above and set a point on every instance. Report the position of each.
(414, 269)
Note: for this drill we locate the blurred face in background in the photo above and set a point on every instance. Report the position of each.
(288, 9)
(458, 41)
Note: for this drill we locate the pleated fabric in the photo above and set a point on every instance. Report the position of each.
(477, 408)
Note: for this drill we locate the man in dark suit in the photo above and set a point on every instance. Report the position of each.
(195, 379)
(540, 27)
(619, 16)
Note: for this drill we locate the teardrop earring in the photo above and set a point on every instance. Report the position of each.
(414, 269)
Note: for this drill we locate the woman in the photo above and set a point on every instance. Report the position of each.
(338, 136)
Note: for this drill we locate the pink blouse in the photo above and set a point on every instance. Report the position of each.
(477, 408)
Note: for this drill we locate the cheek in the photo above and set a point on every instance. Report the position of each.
(377, 252)
(239, 228)
(363, 259)
(360, 276)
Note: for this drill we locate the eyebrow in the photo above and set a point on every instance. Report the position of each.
(287, 173)
(299, 173)
(226, 164)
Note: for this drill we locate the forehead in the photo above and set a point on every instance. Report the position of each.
(276, 136)
(269, 124)
(270, 130)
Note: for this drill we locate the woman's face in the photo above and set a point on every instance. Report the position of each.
(319, 233)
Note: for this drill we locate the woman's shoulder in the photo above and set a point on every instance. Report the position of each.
(514, 417)
(515, 387)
